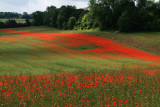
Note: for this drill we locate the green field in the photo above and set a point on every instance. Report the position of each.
(23, 57)
(43, 66)
(17, 20)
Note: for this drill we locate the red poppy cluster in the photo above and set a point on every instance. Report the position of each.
(67, 43)
(70, 89)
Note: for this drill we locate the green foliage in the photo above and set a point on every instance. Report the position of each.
(112, 14)
(134, 21)
(86, 22)
(89, 22)
(154, 25)
(8, 15)
(125, 15)
(129, 21)
(11, 23)
(59, 17)
(107, 12)
(2, 24)
(65, 25)
(51, 16)
(125, 23)
(25, 15)
(38, 18)
(14, 15)
(81, 20)
(64, 13)
(60, 21)
(28, 23)
(71, 22)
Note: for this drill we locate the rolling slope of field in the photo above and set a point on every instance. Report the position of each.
(72, 69)
(146, 41)
(41, 53)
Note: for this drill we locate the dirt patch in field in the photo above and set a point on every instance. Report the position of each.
(131, 41)
(138, 44)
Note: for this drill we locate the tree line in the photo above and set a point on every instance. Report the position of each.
(121, 15)
(65, 17)
(15, 15)
(125, 15)
(12, 17)
(10, 23)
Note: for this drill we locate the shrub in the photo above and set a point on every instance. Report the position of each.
(11, 23)
(28, 23)
(2, 25)
(86, 22)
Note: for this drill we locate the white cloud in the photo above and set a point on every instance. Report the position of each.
(34, 5)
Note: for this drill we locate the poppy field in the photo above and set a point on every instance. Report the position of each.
(73, 69)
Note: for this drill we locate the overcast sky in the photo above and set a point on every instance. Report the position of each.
(34, 5)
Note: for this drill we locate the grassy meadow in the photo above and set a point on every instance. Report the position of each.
(52, 67)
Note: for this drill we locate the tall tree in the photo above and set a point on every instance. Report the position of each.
(38, 18)
(25, 15)
(51, 16)
(65, 12)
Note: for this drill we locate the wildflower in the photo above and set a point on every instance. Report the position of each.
(125, 101)
(33, 99)
(4, 91)
(114, 98)
(42, 95)
(82, 101)
(75, 93)
(114, 103)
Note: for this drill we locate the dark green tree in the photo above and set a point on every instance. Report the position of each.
(51, 16)
(65, 12)
(38, 18)
(71, 22)
(25, 15)
(109, 11)
(60, 21)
